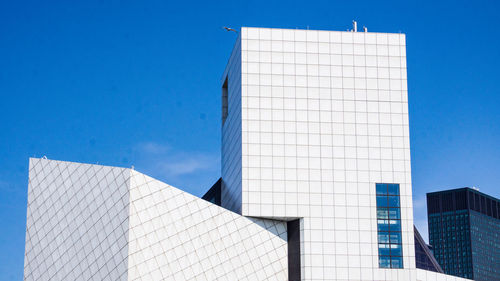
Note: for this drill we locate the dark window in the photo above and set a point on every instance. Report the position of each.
(495, 210)
(477, 205)
(447, 202)
(224, 101)
(213, 195)
(433, 204)
(293, 231)
(461, 200)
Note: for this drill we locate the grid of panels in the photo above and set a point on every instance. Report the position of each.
(485, 237)
(77, 222)
(92, 222)
(449, 234)
(177, 236)
(389, 226)
(324, 118)
(320, 107)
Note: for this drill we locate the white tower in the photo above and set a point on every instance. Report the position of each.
(313, 122)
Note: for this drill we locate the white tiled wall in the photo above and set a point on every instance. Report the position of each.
(77, 222)
(177, 236)
(92, 222)
(424, 275)
(325, 117)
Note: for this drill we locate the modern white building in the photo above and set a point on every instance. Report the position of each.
(316, 179)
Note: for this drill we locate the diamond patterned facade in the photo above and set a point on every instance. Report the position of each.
(312, 122)
(77, 222)
(92, 222)
(177, 236)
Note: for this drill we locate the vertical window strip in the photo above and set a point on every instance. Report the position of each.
(390, 248)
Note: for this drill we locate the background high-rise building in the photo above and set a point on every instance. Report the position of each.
(464, 230)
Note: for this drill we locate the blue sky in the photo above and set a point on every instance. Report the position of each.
(137, 83)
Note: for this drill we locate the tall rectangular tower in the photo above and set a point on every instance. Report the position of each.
(464, 229)
(315, 127)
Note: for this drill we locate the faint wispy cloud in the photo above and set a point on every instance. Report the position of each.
(162, 159)
(187, 164)
(419, 202)
(153, 148)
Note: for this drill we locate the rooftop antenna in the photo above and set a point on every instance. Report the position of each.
(355, 26)
(365, 29)
(229, 29)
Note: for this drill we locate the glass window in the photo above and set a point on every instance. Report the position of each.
(381, 201)
(385, 262)
(381, 188)
(383, 237)
(389, 226)
(383, 225)
(397, 262)
(396, 250)
(393, 189)
(382, 213)
(395, 225)
(394, 213)
(395, 237)
(384, 250)
(393, 201)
